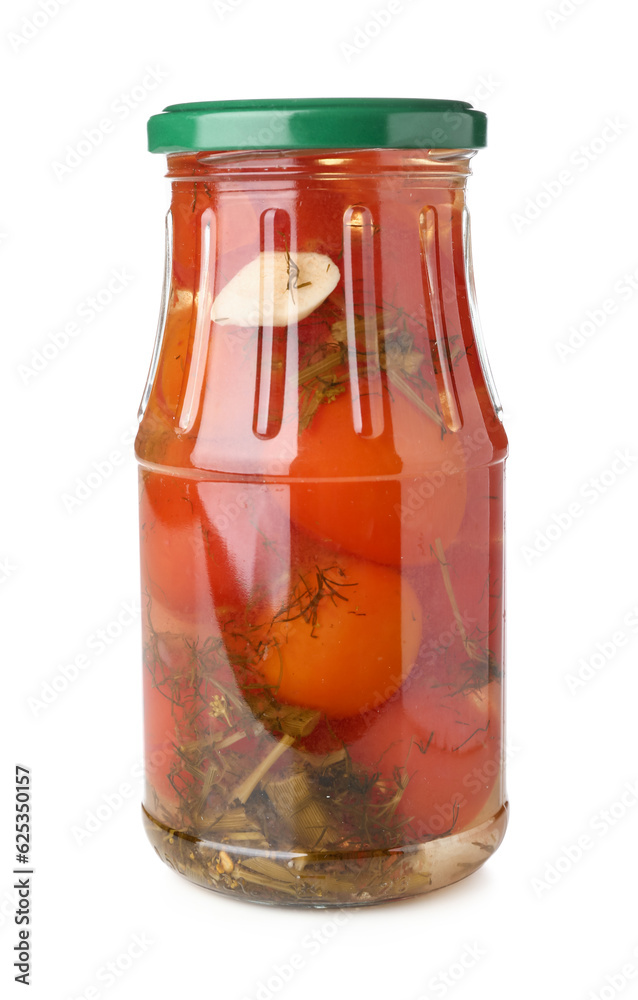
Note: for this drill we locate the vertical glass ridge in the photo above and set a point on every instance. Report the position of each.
(361, 322)
(195, 378)
(432, 291)
(163, 313)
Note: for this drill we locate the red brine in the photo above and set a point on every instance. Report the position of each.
(321, 510)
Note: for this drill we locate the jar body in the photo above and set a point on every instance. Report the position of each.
(321, 511)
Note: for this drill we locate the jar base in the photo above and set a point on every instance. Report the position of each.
(356, 878)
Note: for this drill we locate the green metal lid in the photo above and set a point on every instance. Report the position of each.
(318, 123)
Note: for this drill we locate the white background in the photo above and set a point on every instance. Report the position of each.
(548, 260)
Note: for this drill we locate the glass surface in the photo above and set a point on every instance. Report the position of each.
(321, 511)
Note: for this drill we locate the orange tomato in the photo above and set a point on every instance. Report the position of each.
(347, 502)
(347, 639)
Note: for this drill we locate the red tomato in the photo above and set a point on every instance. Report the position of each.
(348, 504)
(332, 734)
(247, 537)
(443, 746)
(463, 592)
(346, 641)
(208, 549)
(173, 553)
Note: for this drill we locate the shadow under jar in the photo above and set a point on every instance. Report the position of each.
(321, 464)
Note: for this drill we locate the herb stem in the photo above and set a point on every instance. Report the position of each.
(248, 786)
(320, 368)
(404, 386)
(471, 647)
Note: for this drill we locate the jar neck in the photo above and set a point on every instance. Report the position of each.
(248, 191)
(394, 224)
(404, 167)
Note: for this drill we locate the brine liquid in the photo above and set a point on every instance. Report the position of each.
(321, 515)
(391, 736)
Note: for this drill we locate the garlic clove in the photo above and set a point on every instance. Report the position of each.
(277, 288)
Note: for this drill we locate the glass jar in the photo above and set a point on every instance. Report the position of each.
(321, 507)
